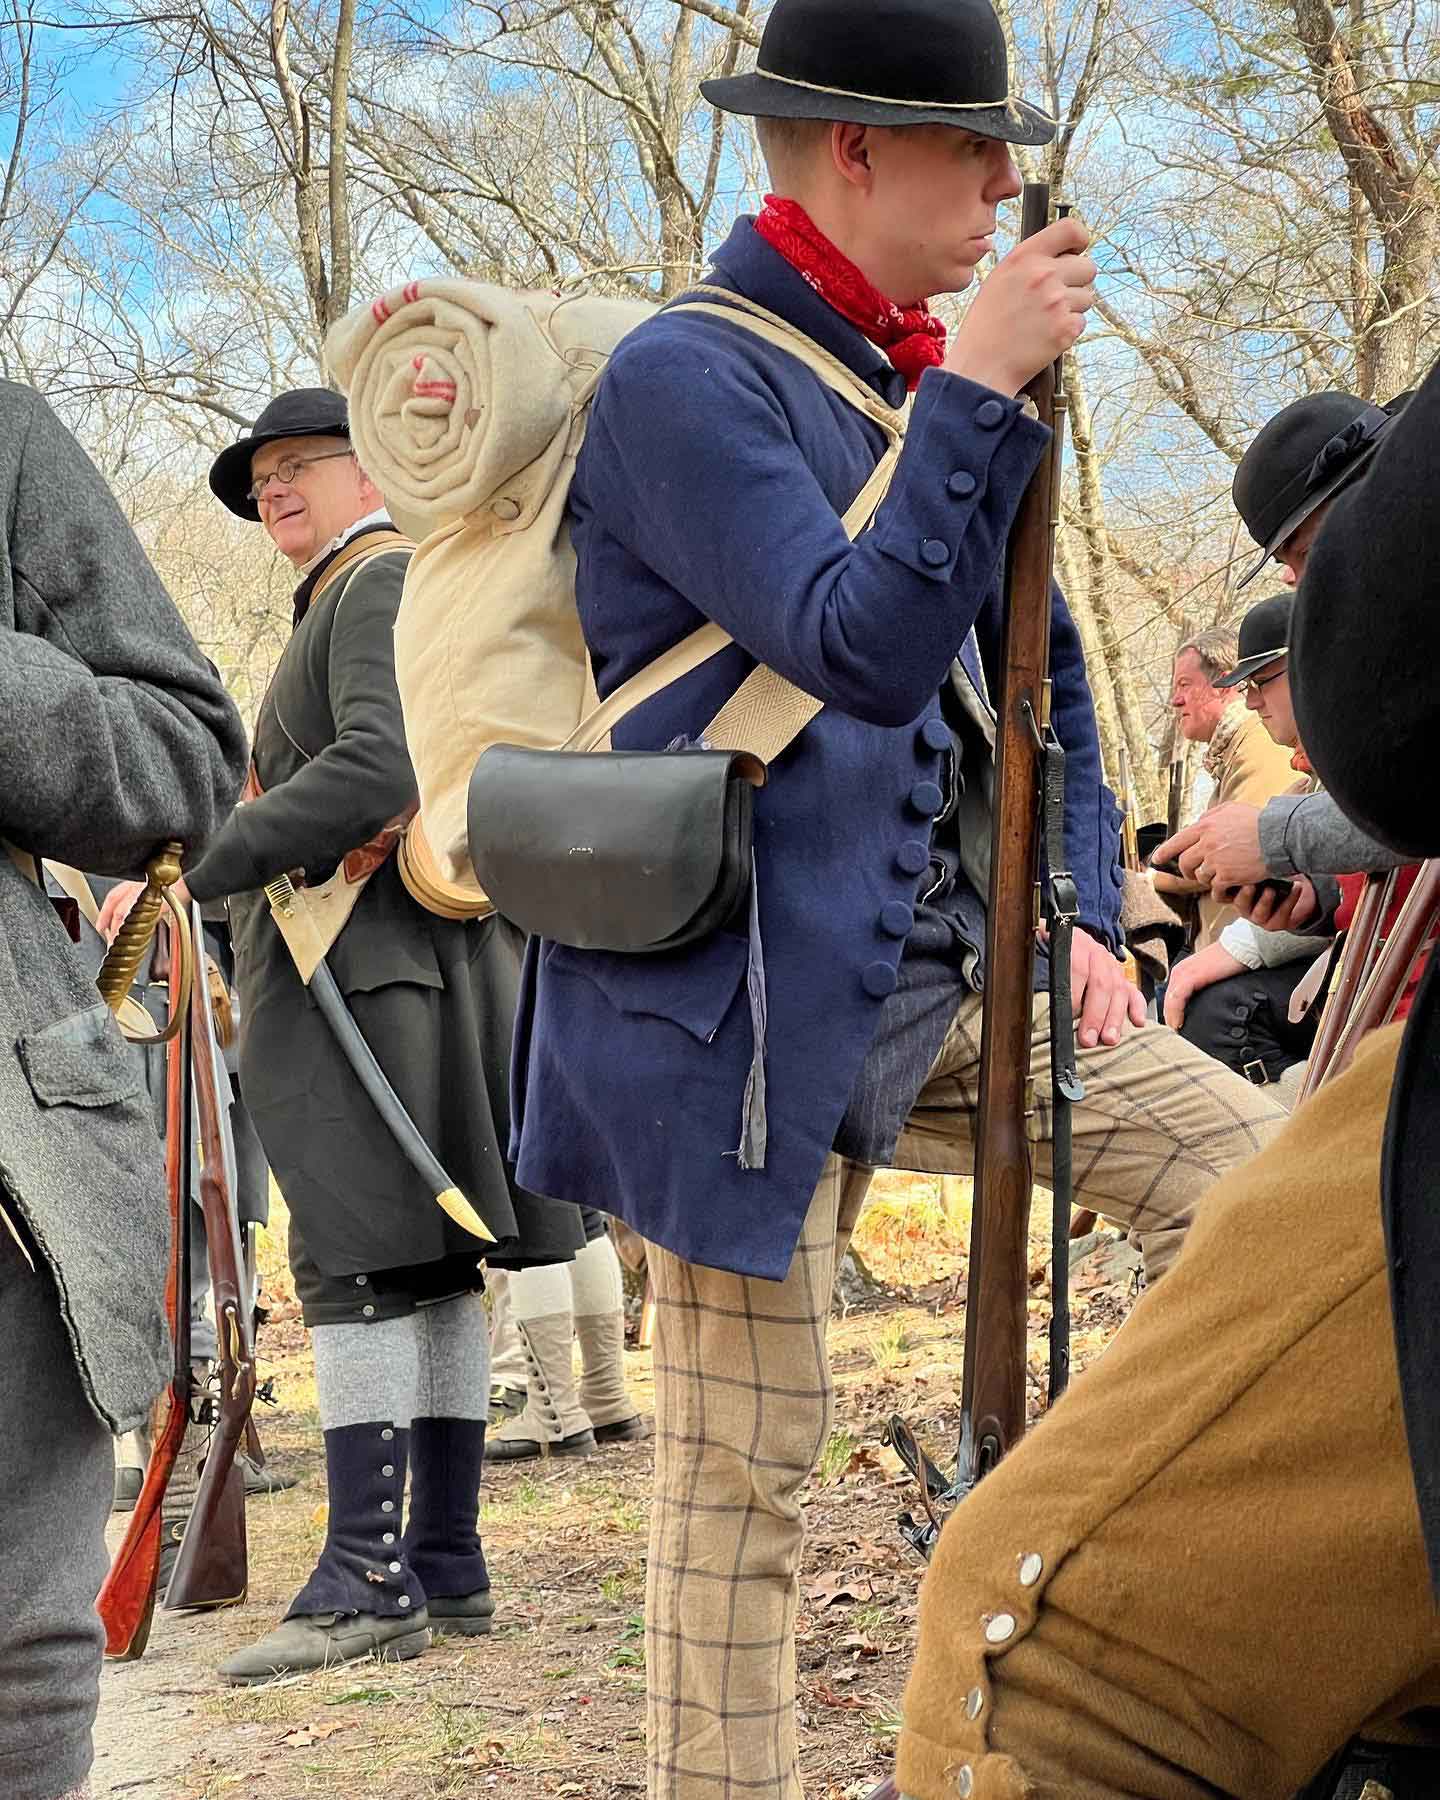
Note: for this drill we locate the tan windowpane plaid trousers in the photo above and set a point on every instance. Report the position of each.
(744, 1399)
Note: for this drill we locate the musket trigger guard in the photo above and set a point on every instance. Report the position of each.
(1028, 713)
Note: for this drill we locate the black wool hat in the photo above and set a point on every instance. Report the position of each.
(302, 412)
(1301, 459)
(1264, 638)
(885, 62)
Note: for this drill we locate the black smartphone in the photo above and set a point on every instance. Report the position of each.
(1272, 884)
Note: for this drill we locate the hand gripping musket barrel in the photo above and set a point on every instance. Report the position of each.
(212, 1567)
(1029, 787)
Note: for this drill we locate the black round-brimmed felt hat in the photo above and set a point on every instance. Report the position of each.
(302, 412)
(1301, 459)
(1264, 638)
(885, 62)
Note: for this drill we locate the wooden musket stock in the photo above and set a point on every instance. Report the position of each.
(212, 1566)
(127, 1599)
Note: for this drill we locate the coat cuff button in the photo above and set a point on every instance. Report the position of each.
(933, 553)
(989, 414)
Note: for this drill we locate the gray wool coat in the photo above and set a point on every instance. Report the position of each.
(115, 735)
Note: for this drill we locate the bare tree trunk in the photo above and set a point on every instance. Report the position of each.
(338, 299)
(1097, 670)
(1100, 591)
(299, 154)
(1402, 197)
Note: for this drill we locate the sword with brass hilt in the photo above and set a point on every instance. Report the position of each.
(304, 937)
(134, 938)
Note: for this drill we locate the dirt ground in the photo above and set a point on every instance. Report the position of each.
(553, 1703)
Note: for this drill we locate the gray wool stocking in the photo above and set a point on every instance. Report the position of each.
(453, 1349)
(366, 1374)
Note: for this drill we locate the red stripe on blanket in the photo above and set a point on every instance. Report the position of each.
(380, 309)
(411, 292)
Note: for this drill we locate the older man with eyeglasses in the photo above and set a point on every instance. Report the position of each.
(389, 1283)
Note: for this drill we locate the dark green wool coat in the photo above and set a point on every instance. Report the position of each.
(434, 998)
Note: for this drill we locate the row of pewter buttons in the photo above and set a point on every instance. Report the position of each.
(999, 1629)
(387, 1435)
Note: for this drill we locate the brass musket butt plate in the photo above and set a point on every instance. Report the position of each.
(455, 1206)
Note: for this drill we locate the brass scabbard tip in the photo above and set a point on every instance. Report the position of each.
(455, 1206)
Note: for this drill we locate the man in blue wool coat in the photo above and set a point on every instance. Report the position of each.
(710, 488)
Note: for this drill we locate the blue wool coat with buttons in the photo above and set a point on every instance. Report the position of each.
(710, 486)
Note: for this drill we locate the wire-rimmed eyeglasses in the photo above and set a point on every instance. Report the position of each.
(287, 469)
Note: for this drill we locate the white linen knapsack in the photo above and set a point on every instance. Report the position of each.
(468, 405)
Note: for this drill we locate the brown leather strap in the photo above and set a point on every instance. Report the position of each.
(361, 550)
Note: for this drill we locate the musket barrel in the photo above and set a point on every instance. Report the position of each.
(993, 1394)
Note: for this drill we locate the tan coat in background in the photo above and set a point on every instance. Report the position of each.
(1246, 764)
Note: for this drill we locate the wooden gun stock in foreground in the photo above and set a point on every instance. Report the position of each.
(212, 1568)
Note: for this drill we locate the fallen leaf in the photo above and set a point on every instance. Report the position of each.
(826, 1696)
(304, 1736)
(833, 1589)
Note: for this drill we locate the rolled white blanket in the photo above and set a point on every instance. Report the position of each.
(459, 391)
(467, 409)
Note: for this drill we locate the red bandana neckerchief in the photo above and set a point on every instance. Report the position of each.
(911, 336)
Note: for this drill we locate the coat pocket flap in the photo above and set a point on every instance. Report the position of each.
(81, 1060)
(693, 987)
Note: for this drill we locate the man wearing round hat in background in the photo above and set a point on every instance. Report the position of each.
(1296, 465)
(730, 1100)
(1242, 760)
(1232, 997)
(390, 1284)
(1285, 485)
